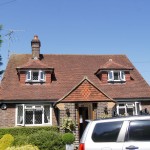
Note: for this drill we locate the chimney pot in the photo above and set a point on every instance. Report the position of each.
(36, 38)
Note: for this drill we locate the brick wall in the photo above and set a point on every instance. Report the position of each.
(22, 77)
(100, 109)
(48, 77)
(128, 76)
(7, 116)
(55, 114)
(104, 77)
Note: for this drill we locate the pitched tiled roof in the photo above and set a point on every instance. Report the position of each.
(85, 91)
(69, 71)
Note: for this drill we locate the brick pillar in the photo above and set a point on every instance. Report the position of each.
(72, 114)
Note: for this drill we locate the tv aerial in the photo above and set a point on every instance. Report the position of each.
(10, 36)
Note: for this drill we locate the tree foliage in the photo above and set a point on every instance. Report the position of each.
(0, 35)
(1, 71)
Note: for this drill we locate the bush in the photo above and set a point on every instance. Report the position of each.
(25, 130)
(6, 141)
(21, 140)
(47, 140)
(68, 125)
(25, 147)
(68, 138)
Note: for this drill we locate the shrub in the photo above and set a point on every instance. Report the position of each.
(25, 130)
(6, 141)
(25, 147)
(68, 138)
(68, 124)
(20, 140)
(47, 140)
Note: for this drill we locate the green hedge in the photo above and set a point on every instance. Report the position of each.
(46, 140)
(25, 130)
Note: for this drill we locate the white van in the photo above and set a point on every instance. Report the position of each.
(127, 133)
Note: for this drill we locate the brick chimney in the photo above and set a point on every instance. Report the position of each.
(35, 44)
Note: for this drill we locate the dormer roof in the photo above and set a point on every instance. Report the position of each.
(34, 64)
(112, 65)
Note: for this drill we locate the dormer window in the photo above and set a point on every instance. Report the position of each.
(116, 76)
(35, 76)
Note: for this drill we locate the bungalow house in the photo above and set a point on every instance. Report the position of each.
(43, 89)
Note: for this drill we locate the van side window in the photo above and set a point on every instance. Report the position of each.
(139, 131)
(106, 131)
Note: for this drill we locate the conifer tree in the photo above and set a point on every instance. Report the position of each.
(1, 71)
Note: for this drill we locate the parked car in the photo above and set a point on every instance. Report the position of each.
(122, 133)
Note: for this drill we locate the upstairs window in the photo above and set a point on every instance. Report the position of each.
(35, 76)
(116, 76)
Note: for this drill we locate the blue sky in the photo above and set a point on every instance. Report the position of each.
(79, 27)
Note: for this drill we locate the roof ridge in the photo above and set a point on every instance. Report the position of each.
(87, 54)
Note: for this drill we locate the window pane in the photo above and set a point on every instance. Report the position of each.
(110, 75)
(116, 75)
(29, 117)
(122, 111)
(139, 131)
(20, 115)
(35, 75)
(106, 132)
(28, 75)
(122, 75)
(46, 114)
(38, 116)
(42, 75)
(137, 105)
(130, 111)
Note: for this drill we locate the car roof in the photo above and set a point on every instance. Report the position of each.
(122, 118)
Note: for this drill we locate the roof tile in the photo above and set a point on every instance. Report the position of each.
(69, 71)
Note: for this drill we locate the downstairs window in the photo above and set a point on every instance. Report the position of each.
(128, 108)
(27, 114)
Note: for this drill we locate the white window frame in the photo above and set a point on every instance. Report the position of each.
(28, 75)
(33, 107)
(41, 76)
(121, 76)
(127, 105)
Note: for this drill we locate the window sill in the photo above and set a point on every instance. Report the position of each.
(35, 82)
(118, 81)
(31, 125)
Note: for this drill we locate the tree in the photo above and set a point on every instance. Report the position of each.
(0, 35)
(1, 71)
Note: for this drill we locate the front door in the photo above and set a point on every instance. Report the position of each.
(85, 113)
